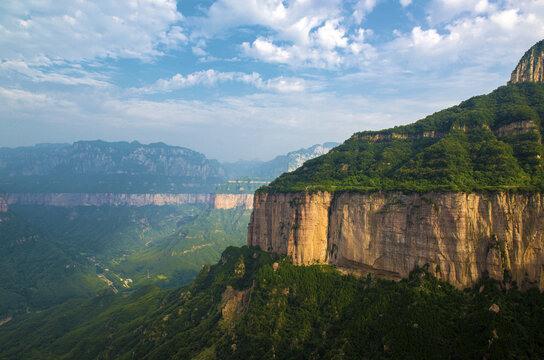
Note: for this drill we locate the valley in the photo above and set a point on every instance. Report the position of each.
(421, 241)
(82, 243)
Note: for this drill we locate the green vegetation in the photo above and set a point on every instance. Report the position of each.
(176, 259)
(106, 232)
(242, 308)
(36, 271)
(52, 254)
(490, 142)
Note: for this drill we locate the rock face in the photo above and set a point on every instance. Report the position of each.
(217, 201)
(531, 66)
(230, 201)
(460, 236)
(3, 205)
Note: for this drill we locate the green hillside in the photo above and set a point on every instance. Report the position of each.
(52, 254)
(490, 142)
(242, 308)
(36, 271)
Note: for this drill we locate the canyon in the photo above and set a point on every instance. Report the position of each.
(216, 201)
(460, 237)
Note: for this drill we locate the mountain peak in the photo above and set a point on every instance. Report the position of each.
(531, 66)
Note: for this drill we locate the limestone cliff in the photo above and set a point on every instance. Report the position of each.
(230, 201)
(217, 201)
(531, 66)
(461, 236)
(3, 205)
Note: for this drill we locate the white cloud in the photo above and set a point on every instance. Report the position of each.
(213, 77)
(88, 29)
(362, 8)
(265, 50)
(232, 126)
(445, 10)
(330, 35)
(405, 3)
(302, 33)
(496, 38)
(67, 74)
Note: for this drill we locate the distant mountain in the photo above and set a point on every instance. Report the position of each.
(99, 166)
(269, 170)
(128, 168)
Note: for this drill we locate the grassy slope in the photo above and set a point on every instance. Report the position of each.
(295, 312)
(467, 153)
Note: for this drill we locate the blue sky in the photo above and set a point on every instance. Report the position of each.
(247, 78)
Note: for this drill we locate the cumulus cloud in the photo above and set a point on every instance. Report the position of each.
(302, 33)
(88, 29)
(213, 77)
(498, 37)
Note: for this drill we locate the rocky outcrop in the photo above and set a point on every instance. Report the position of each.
(459, 236)
(3, 205)
(230, 201)
(531, 66)
(218, 201)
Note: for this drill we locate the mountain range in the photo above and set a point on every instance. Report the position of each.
(419, 242)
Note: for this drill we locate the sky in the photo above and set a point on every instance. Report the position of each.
(247, 79)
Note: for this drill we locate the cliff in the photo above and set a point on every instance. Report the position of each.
(3, 205)
(531, 66)
(460, 236)
(230, 201)
(217, 201)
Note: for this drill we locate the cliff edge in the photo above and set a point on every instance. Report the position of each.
(460, 236)
(460, 191)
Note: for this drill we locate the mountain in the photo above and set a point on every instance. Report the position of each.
(531, 66)
(255, 305)
(123, 214)
(269, 170)
(461, 190)
(103, 167)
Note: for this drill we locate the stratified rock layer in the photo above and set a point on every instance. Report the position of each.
(531, 66)
(460, 236)
(216, 201)
(3, 205)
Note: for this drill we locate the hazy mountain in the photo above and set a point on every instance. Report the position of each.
(98, 166)
(269, 170)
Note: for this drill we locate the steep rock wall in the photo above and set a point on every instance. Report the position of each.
(3, 205)
(531, 66)
(460, 236)
(230, 201)
(218, 201)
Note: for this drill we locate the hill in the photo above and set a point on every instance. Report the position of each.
(490, 142)
(254, 305)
